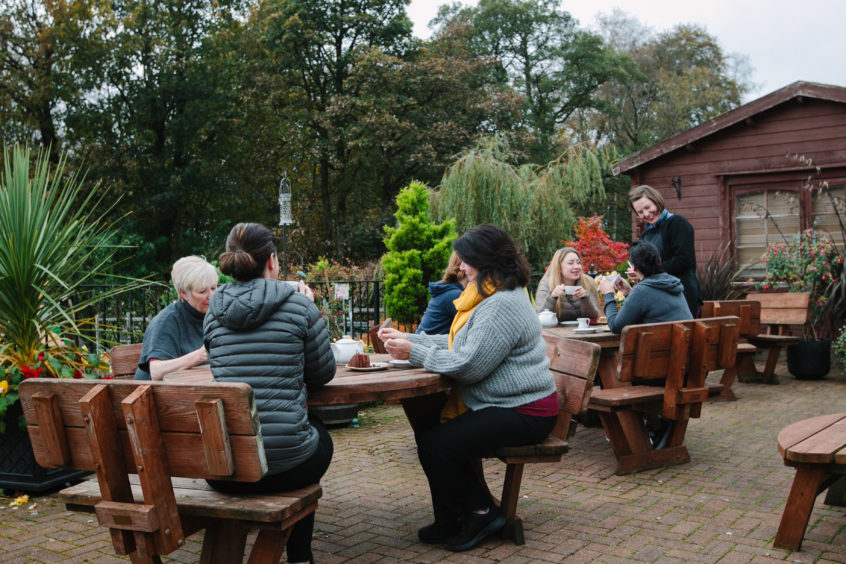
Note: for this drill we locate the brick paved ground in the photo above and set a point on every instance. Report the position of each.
(724, 506)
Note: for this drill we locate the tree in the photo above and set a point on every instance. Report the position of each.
(680, 78)
(44, 47)
(596, 247)
(418, 251)
(533, 204)
(545, 58)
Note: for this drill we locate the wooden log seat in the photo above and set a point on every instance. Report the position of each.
(816, 447)
(780, 313)
(661, 378)
(573, 364)
(151, 445)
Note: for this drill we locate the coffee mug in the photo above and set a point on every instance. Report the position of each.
(570, 289)
(584, 322)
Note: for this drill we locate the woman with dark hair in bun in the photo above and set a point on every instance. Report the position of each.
(263, 332)
(503, 393)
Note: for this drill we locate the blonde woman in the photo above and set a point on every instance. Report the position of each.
(582, 299)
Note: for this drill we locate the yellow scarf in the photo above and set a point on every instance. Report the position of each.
(464, 304)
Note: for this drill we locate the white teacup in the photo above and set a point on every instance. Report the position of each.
(570, 289)
(584, 322)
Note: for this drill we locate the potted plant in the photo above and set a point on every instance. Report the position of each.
(52, 241)
(809, 263)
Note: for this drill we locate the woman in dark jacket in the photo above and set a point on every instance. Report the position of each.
(263, 332)
(440, 311)
(672, 235)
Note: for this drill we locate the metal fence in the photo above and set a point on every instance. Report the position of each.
(123, 318)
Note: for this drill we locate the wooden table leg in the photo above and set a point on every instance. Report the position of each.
(224, 541)
(800, 502)
(837, 493)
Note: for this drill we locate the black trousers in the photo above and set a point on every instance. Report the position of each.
(447, 452)
(309, 472)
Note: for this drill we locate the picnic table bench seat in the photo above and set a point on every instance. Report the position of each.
(573, 364)
(661, 373)
(780, 313)
(151, 445)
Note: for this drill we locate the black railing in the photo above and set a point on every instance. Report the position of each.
(123, 318)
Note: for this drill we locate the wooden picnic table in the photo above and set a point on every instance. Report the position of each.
(816, 447)
(417, 390)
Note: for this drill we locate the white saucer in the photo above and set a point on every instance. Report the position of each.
(399, 363)
(586, 330)
(373, 366)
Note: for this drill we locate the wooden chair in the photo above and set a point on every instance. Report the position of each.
(573, 363)
(164, 433)
(780, 312)
(662, 370)
(123, 360)
(749, 312)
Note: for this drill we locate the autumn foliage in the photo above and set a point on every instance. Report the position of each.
(596, 247)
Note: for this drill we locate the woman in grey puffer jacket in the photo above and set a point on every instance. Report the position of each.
(261, 331)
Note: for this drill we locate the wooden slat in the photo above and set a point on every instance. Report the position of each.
(785, 308)
(127, 516)
(215, 437)
(151, 464)
(177, 407)
(197, 499)
(49, 418)
(123, 360)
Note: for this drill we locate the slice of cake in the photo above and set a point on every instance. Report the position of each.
(359, 360)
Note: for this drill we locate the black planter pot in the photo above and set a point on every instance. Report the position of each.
(809, 360)
(18, 470)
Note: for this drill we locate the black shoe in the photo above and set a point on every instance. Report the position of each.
(437, 533)
(475, 529)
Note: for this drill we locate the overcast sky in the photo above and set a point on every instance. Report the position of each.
(784, 40)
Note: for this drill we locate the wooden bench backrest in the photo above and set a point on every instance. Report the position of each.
(123, 360)
(784, 308)
(680, 352)
(573, 364)
(153, 429)
(749, 312)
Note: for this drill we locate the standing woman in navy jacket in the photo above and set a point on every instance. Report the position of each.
(672, 235)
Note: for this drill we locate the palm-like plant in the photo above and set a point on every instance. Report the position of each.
(53, 239)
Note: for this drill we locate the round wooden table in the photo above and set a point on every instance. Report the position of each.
(353, 386)
(816, 447)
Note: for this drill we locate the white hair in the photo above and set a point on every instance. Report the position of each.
(193, 273)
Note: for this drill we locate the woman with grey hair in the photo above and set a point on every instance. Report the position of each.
(174, 338)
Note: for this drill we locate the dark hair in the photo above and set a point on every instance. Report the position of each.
(492, 252)
(646, 258)
(248, 247)
(452, 273)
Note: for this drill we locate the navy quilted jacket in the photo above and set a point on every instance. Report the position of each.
(264, 333)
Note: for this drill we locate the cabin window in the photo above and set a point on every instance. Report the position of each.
(762, 218)
(774, 216)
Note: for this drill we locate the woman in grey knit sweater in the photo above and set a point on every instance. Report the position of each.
(496, 358)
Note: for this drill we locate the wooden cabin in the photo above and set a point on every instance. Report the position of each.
(725, 174)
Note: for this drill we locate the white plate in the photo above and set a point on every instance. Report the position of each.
(568, 323)
(399, 363)
(373, 366)
(586, 330)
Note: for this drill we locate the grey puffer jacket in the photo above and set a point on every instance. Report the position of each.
(264, 333)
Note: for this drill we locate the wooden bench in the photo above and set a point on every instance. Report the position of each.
(123, 361)
(573, 363)
(816, 447)
(749, 312)
(780, 312)
(661, 372)
(167, 434)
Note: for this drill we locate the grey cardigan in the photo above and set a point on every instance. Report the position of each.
(498, 358)
(264, 333)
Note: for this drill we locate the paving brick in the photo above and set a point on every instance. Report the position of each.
(375, 498)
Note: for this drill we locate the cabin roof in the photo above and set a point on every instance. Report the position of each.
(797, 90)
